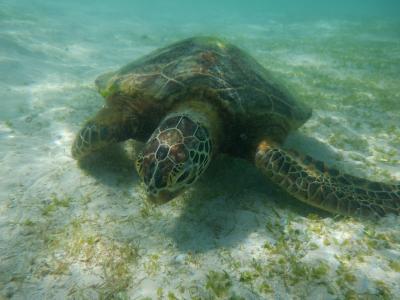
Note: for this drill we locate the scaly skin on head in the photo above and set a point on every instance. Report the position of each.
(178, 151)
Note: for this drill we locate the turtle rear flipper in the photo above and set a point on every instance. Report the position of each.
(107, 127)
(310, 181)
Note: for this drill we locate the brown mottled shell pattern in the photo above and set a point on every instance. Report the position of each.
(215, 71)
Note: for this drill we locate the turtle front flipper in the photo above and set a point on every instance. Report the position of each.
(312, 182)
(107, 127)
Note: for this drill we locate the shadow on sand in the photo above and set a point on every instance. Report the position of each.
(229, 202)
(114, 165)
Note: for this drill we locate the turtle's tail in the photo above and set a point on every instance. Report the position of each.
(312, 182)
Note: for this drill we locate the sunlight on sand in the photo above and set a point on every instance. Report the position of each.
(85, 231)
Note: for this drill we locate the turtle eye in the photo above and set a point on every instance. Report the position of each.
(175, 173)
(183, 176)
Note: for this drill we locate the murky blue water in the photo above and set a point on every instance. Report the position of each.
(88, 233)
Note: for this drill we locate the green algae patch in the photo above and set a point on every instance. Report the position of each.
(394, 265)
(55, 204)
(76, 245)
(319, 271)
(219, 283)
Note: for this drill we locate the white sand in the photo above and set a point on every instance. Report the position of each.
(87, 233)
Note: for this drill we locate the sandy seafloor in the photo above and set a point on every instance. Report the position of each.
(88, 233)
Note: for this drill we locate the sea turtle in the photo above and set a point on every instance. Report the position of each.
(202, 96)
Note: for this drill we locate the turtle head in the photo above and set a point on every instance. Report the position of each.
(174, 157)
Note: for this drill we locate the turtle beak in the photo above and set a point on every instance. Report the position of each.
(162, 197)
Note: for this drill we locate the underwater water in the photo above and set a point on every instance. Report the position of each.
(87, 232)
